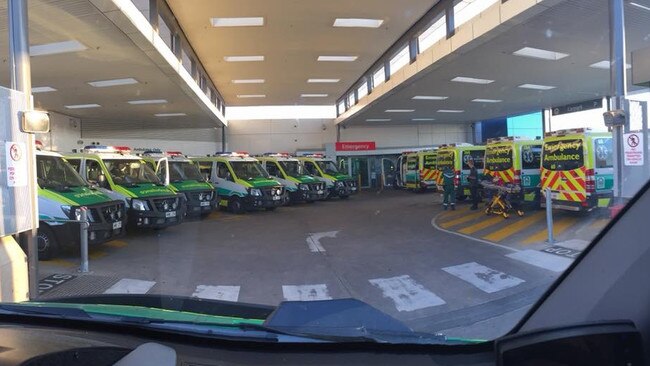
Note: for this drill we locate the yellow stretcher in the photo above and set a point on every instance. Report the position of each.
(500, 203)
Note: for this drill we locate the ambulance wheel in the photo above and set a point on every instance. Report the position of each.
(46, 243)
(236, 205)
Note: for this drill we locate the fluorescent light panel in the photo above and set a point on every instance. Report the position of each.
(113, 82)
(248, 81)
(378, 120)
(148, 101)
(243, 58)
(313, 95)
(82, 106)
(540, 54)
(450, 111)
(337, 58)
(323, 80)
(422, 119)
(463, 79)
(536, 87)
(358, 23)
(237, 22)
(244, 96)
(170, 114)
(640, 6)
(42, 89)
(605, 65)
(428, 97)
(479, 100)
(56, 48)
(399, 110)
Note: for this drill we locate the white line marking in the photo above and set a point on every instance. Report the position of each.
(543, 260)
(406, 293)
(485, 278)
(435, 225)
(130, 286)
(224, 293)
(305, 292)
(313, 240)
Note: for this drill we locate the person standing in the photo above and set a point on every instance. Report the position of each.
(449, 189)
(472, 179)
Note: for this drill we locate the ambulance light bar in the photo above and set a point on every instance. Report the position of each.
(39, 145)
(277, 155)
(99, 149)
(570, 131)
(174, 153)
(317, 156)
(508, 139)
(236, 154)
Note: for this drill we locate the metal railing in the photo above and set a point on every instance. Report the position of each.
(84, 224)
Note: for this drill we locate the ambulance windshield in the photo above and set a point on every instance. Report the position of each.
(183, 170)
(328, 167)
(248, 170)
(130, 172)
(292, 168)
(498, 158)
(54, 172)
(563, 155)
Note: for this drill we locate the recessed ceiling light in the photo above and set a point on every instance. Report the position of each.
(313, 95)
(479, 100)
(378, 120)
(337, 58)
(42, 89)
(323, 80)
(170, 114)
(422, 119)
(113, 82)
(358, 23)
(243, 96)
(82, 106)
(148, 101)
(640, 6)
(540, 54)
(248, 81)
(243, 58)
(536, 87)
(237, 22)
(463, 79)
(605, 65)
(450, 111)
(428, 97)
(56, 47)
(399, 110)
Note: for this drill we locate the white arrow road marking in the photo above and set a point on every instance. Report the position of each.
(543, 260)
(130, 286)
(485, 278)
(406, 293)
(313, 240)
(224, 293)
(305, 292)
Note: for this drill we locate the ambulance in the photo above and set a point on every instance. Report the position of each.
(456, 156)
(578, 167)
(287, 170)
(421, 170)
(61, 195)
(182, 175)
(241, 181)
(516, 160)
(149, 203)
(337, 184)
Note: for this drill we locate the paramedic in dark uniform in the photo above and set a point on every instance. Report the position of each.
(472, 178)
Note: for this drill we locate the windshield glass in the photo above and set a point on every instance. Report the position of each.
(328, 167)
(130, 172)
(498, 158)
(183, 170)
(55, 172)
(292, 168)
(248, 170)
(563, 155)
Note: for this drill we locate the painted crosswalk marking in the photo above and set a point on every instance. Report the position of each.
(559, 227)
(224, 293)
(406, 293)
(485, 278)
(313, 240)
(305, 292)
(543, 260)
(515, 227)
(130, 286)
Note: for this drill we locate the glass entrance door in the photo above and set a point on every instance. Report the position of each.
(360, 170)
(388, 172)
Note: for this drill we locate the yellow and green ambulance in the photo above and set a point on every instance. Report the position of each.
(337, 184)
(578, 167)
(182, 175)
(421, 170)
(456, 156)
(241, 181)
(150, 204)
(288, 171)
(62, 194)
(516, 160)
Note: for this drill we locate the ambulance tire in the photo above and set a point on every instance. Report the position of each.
(46, 242)
(236, 206)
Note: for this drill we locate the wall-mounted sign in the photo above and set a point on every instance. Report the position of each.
(356, 146)
(16, 159)
(578, 107)
(633, 149)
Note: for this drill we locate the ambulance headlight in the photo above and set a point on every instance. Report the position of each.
(175, 204)
(278, 192)
(256, 192)
(139, 205)
(303, 187)
(208, 196)
(201, 196)
(340, 184)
